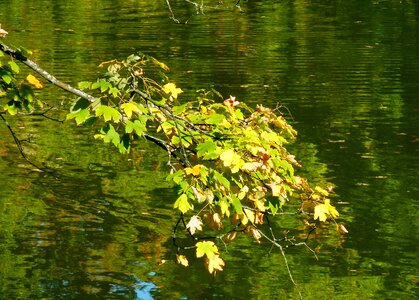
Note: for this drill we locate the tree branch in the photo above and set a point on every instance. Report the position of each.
(34, 66)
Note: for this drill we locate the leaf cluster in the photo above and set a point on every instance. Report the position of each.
(230, 163)
(16, 94)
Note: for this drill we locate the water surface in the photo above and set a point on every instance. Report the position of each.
(100, 225)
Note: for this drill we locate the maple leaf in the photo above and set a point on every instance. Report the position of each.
(322, 210)
(207, 248)
(3, 32)
(181, 259)
(170, 88)
(277, 189)
(194, 224)
(216, 220)
(254, 233)
(231, 102)
(215, 264)
(34, 81)
(195, 171)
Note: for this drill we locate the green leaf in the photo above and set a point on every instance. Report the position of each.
(26, 92)
(215, 119)
(110, 135)
(136, 126)
(6, 76)
(13, 107)
(84, 85)
(81, 116)
(103, 85)
(207, 150)
(125, 144)
(177, 110)
(182, 203)
(14, 67)
(79, 104)
(114, 91)
(237, 204)
(222, 179)
(108, 113)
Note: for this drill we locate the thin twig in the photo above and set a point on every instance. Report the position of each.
(19, 144)
(171, 11)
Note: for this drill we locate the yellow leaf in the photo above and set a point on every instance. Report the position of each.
(227, 157)
(332, 210)
(129, 108)
(181, 259)
(170, 88)
(194, 171)
(321, 191)
(224, 208)
(215, 263)
(34, 81)
(182, 203)
(322, 210)
(231, 159)
(207, 248)
(194, 224)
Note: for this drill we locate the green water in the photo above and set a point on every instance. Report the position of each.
(100, 226)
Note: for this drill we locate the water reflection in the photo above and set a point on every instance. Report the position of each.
(347, 71)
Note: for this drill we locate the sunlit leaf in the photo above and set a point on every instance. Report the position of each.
(182, 203)
(13, 66)
(207, 248)
(322, 210)
(342, 229)
(34, 81)
(194, 224)
(216, 220)
(215, 264)
(252, 231)
(108, 113)
(129, 108)
(181, 259)
(170, 88)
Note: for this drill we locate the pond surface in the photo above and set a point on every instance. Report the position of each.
(100, 226)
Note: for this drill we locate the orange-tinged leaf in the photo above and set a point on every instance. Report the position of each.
(342, 229)
(217, 220)
(200, 196)
(254, 233)
(195, 171)
(34, 81)
(215, 263)
(181, 259)
(228, 237)
(194, 224)
(277, 189)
